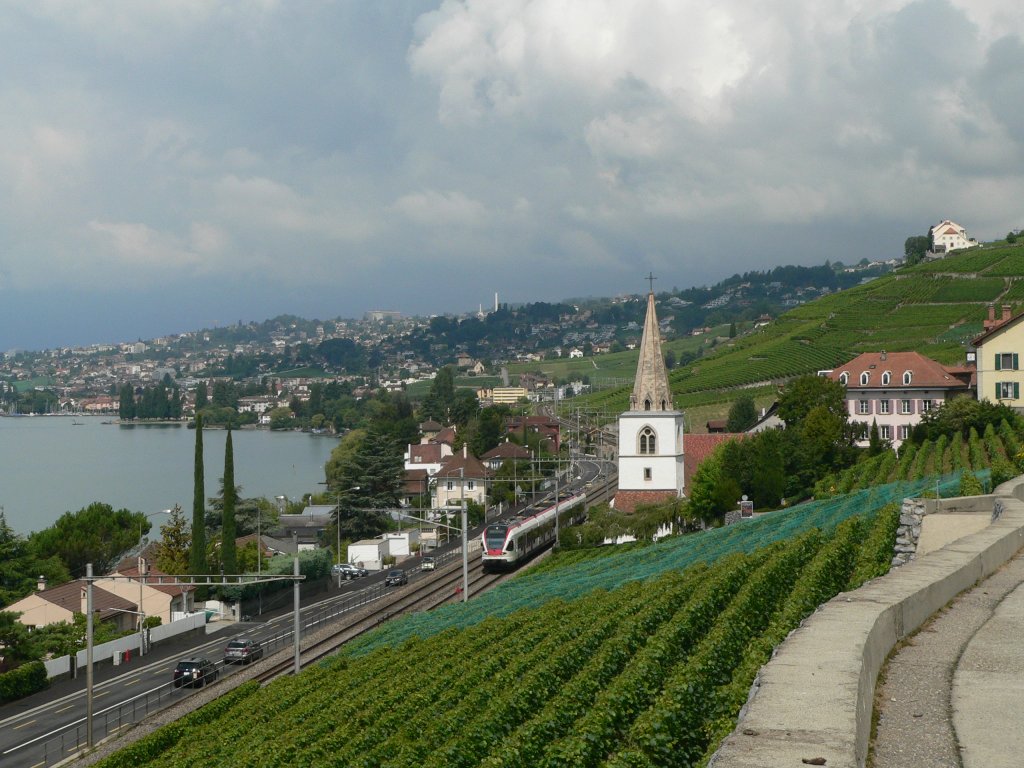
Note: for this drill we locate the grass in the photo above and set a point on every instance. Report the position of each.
(934, 308)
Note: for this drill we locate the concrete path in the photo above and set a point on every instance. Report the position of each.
(952, 694)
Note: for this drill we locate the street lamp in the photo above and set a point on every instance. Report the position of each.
(142, 579)
(337, 523)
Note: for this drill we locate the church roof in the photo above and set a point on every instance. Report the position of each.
(650, 390)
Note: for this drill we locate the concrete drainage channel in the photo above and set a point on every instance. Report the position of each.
(812, 703)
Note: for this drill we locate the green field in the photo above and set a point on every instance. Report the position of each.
(638, 655)
(934, 308)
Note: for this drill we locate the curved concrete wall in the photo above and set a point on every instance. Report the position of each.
(814, 698)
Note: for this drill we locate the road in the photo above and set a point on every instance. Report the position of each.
(44, 728)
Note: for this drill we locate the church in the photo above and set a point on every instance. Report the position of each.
(651, 431)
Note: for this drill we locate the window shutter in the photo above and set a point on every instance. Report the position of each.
(998, 392)
(999, 362)
(1016, 365)
(1016, 391)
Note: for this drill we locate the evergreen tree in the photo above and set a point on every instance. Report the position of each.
(228, 552)
(742, 414)
(202, 396)
(197, 561)
(175, 545)
(126, 404)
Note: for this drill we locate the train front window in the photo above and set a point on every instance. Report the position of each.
(495, 536)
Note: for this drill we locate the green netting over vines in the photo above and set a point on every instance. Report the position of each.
(675, 553)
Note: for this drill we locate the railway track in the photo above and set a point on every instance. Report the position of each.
(445, 586)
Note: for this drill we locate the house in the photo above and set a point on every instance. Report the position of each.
(157, 598)
(894, 390)
(61, 603)
(428, 456)
(462, 478)
(309, 527)
(575, 353)
(503, 452)
(998, 359)
(415, 483)
(547, 428)
(716, 426)
(949, 236)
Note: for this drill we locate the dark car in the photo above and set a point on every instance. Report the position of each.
(195, 673)
(395, 577)
(242, 650)
(348, 570)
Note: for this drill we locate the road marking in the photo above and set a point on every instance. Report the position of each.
(27, 722)
(65, 709)
(39, 764)
(97, 695)
(131, 682)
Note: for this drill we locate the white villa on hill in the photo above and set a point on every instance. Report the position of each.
(949, 236)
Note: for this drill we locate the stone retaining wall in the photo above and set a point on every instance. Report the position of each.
(814, 698)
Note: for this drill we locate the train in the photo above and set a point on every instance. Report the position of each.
(506, 545)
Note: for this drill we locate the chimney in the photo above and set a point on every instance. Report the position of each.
(41, 583)
(1006, 312)
(884, 356)
(991, 313)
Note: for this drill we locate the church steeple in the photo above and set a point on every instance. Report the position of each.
(650, 390)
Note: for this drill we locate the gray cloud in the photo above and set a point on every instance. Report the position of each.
(219, 161)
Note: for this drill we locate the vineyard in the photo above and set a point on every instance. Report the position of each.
(931, 308)
(996, 449)
(637, 656)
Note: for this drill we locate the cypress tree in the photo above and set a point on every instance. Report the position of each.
(197, 562)
(228, 554)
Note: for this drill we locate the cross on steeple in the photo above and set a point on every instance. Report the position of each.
(651, 278)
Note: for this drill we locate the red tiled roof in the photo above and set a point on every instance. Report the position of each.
(697, 448)
(69, 597)
(415, 481)
(925, 372)
(153, 578)
(446, 435)
(425, 453)
(507, 450)
(463, 464)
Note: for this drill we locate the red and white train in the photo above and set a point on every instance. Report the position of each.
(505, 545)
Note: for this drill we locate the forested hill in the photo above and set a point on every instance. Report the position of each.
(935, 308)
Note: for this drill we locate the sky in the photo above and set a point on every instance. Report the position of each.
(169, 165)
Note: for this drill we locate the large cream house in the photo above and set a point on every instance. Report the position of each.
(998, 352)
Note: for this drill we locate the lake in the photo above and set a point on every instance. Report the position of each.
(49, 465)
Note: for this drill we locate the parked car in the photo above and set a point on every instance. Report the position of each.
(395, 577)
(348, 570)
(195, 673)
(242, 650)
(429, 563)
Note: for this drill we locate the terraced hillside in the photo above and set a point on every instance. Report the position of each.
(623, 658)
(932, 308)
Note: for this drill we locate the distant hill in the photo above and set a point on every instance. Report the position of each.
(935, 308)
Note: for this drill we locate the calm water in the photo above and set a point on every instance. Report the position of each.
(48, 466)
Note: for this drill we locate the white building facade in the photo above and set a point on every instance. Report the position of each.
(651, 431)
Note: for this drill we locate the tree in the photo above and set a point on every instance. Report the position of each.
(438, 403)
(18, 644)
(96, 534)
(804, 393)
(875, 444)
(670, 360)
(370, 478)
(915, 247)
(732, 330)
(202, 397)
(175, 545)
(229, 557)
(126, 403)
(20, 567)
(742, 414)
(197, 560)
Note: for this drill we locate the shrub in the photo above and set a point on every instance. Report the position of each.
(23, 681)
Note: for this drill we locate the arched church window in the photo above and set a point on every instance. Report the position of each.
(647, 404)
(648, 441)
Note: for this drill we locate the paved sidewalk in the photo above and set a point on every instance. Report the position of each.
(953, 692)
